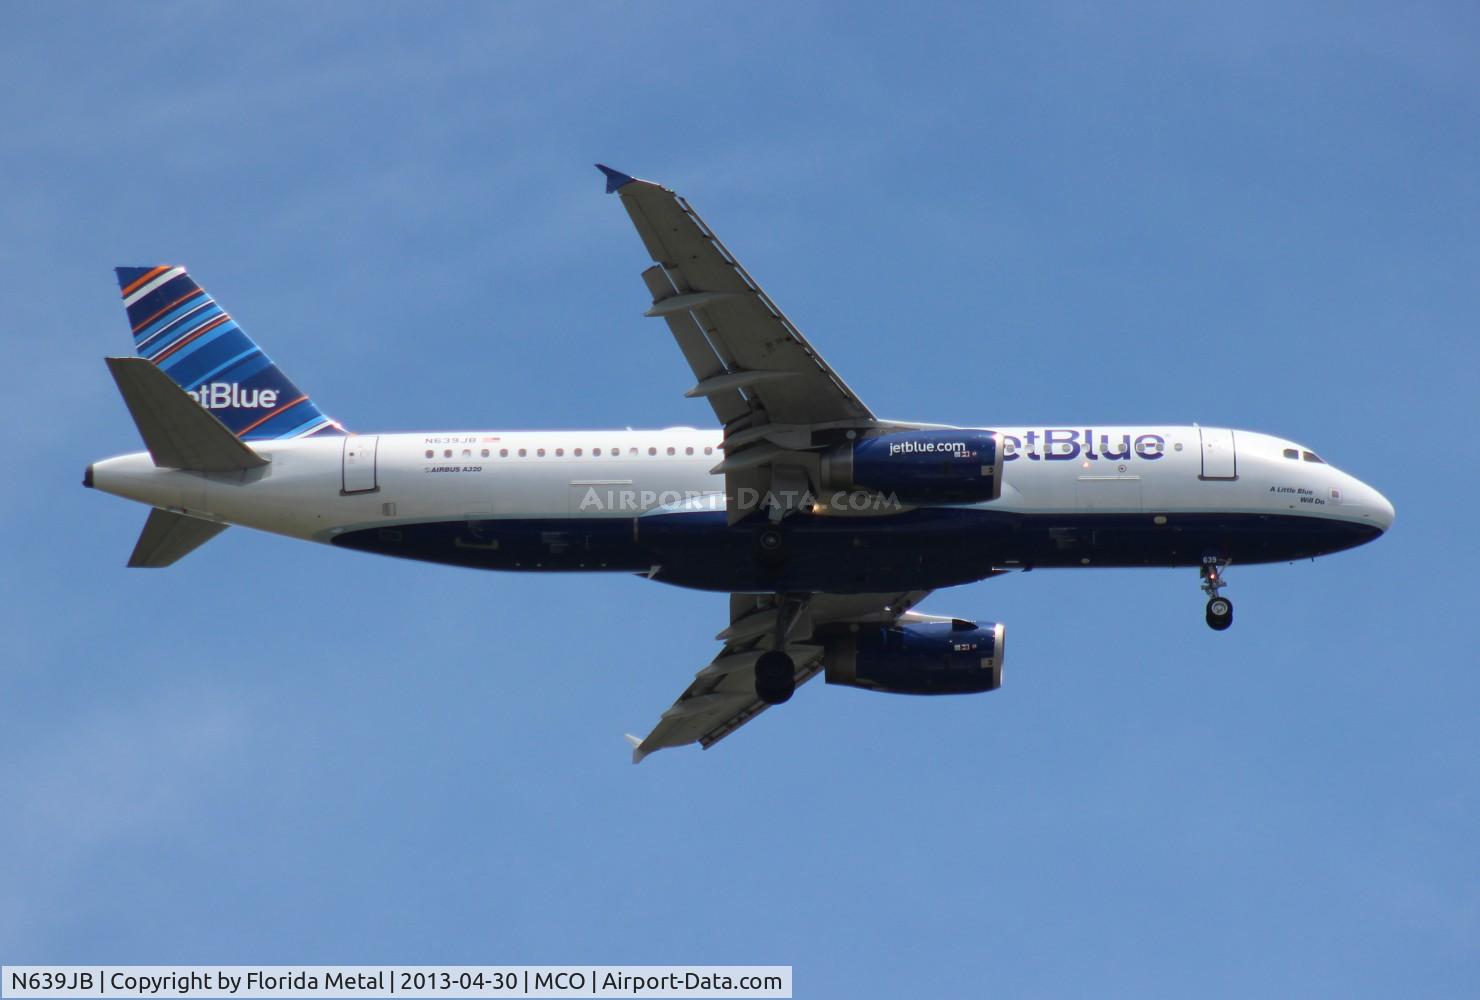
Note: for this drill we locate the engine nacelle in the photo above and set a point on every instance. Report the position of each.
(938, 657)
(927, 466)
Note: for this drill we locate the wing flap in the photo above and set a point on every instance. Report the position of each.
(706, 365)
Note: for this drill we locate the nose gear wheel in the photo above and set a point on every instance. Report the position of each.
(1219, 611)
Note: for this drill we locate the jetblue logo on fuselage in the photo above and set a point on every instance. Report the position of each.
(1062, 445)
(230, 396)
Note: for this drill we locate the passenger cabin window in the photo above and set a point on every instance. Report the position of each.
(503, 453)
(523, 452)
(430, 453)
(1292, 453)
(485, 453)
(596, 452)
(540, 453)
(1311, 456)
(578, 453)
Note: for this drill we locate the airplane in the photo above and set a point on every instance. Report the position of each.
(826, 524)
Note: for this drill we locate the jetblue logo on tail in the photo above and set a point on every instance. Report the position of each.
(231, 396)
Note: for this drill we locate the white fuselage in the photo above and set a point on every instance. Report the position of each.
(317, 488)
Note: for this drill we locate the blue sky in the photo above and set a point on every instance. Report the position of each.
(276, 752)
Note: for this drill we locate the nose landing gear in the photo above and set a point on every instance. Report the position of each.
(1220, 608)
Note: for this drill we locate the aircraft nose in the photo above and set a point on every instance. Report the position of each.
(1375, 509)
(1382, 510)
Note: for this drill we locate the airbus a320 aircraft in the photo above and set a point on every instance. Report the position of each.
(824, 523)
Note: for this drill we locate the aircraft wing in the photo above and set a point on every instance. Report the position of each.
(750, 362)
(722, 698)
(779, 401)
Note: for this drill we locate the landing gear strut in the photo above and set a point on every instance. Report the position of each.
(1220, 608)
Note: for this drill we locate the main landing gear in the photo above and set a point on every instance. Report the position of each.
(1220, 608)
(775, 677)
(775, 673)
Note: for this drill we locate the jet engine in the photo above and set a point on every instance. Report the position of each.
(918, 467)
(948, 656)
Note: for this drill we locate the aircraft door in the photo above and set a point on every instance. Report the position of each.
(1219, 459)
(359, 463)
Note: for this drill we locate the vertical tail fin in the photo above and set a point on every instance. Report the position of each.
(180, 328)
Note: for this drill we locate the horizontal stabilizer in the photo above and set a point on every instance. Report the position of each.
(169, 537)
(178, 431)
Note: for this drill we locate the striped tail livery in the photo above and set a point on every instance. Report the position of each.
(182, 330)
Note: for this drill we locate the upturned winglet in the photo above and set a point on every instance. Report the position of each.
(614, 178)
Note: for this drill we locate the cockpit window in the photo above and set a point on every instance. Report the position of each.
(1311, 456)
(1292, 453)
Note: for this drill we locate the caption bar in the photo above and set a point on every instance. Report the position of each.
(246, 981)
